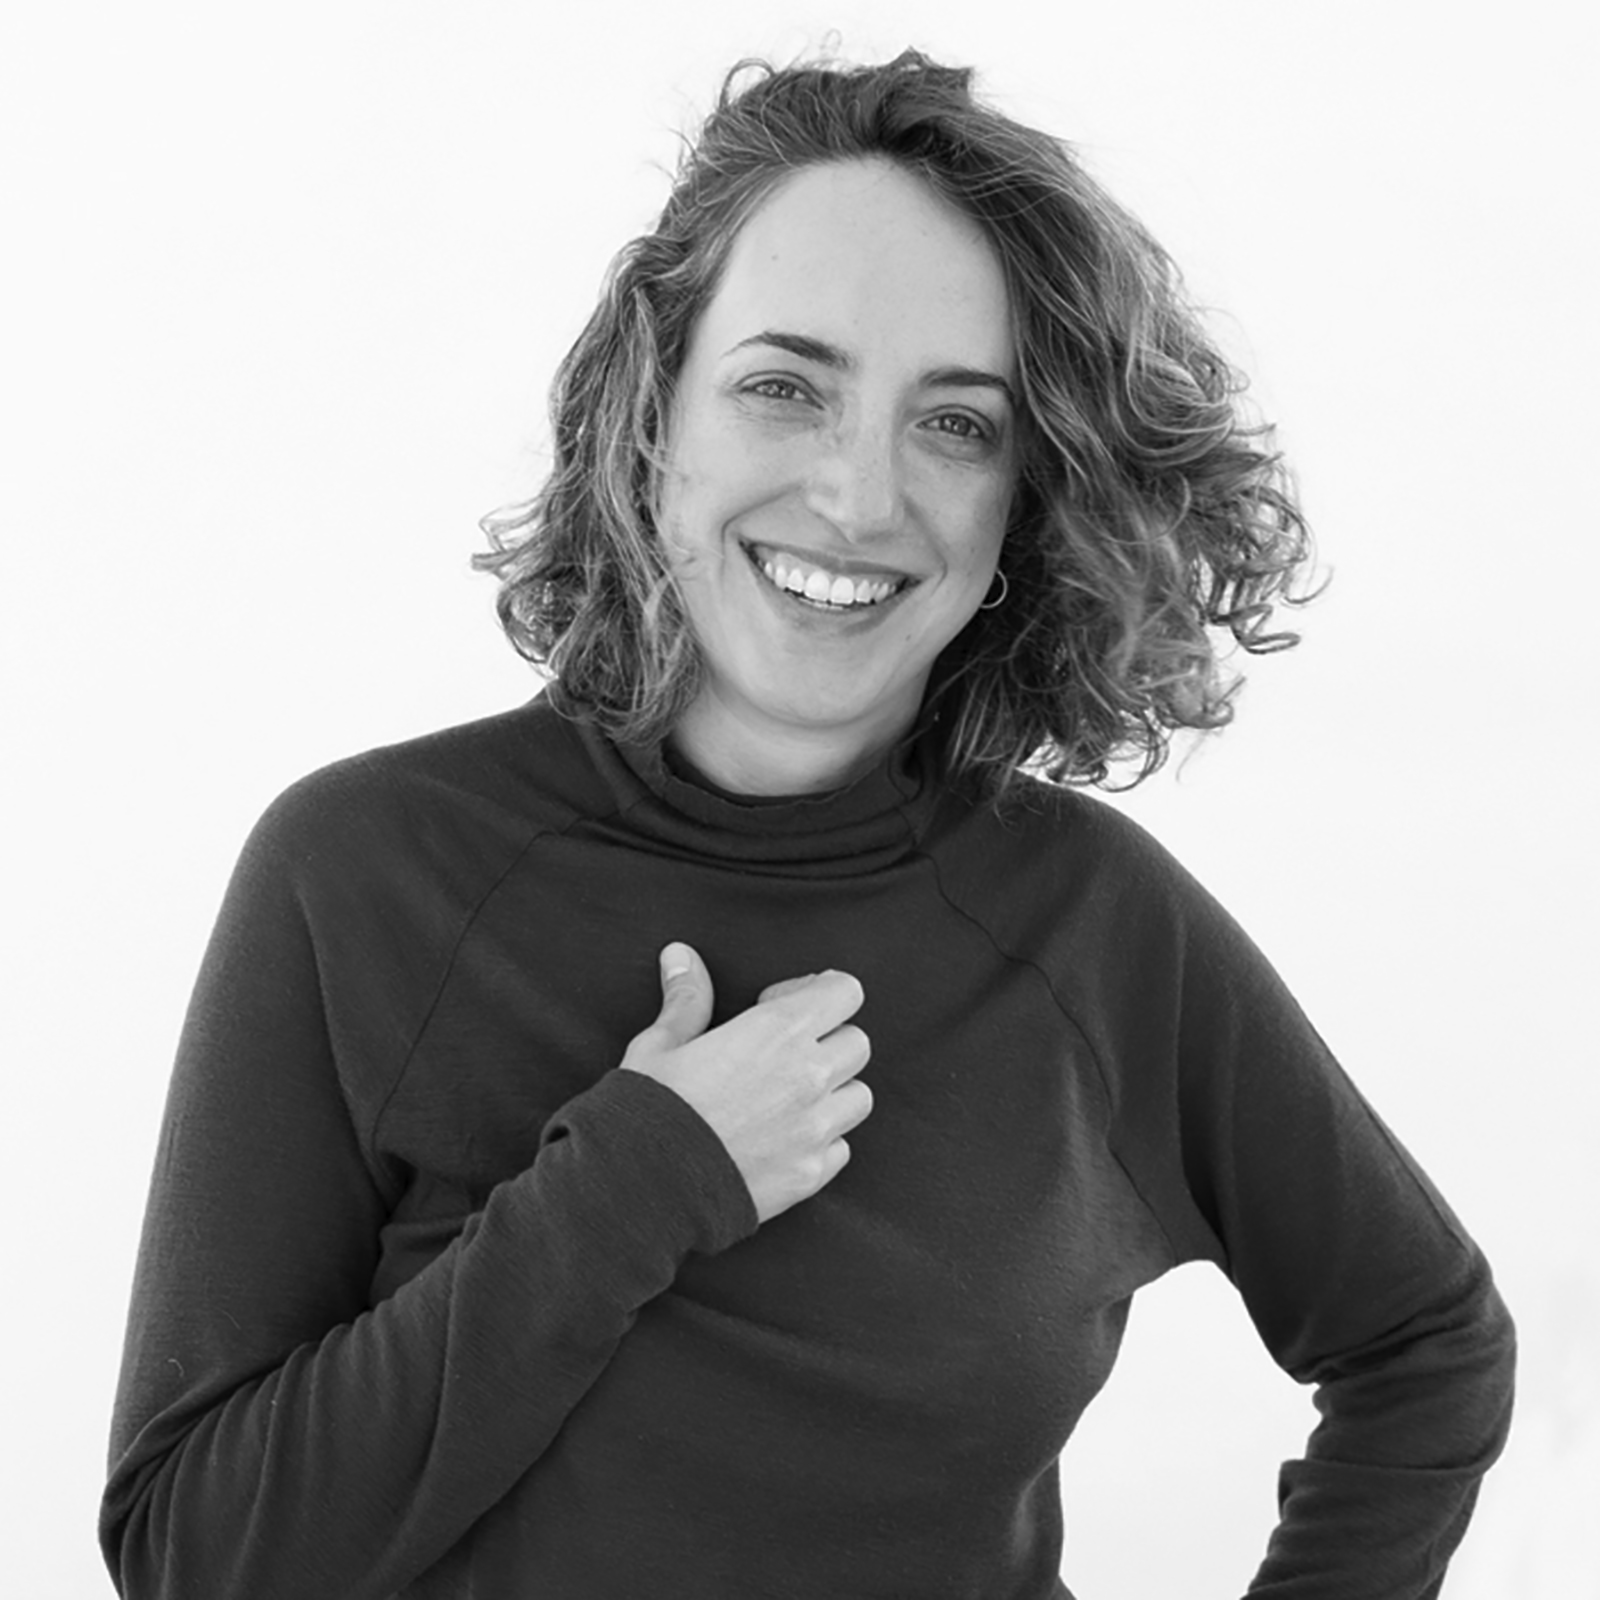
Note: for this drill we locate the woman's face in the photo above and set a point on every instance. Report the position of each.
(841, 461)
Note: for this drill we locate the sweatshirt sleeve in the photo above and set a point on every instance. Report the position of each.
(277, 1435)
(1357, 1275)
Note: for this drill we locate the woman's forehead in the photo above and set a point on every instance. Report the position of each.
(865, 256)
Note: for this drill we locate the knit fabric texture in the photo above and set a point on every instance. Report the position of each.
(434, 1301)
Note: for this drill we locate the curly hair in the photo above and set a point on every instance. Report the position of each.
(1151, 520)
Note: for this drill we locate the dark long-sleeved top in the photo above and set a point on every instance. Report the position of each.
(433, 1300)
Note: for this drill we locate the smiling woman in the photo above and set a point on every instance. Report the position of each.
(506, 1237)
(1145, 512)
(839, 473)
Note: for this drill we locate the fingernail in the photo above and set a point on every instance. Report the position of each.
(674, 961)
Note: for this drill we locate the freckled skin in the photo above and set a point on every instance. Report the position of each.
(856, 440)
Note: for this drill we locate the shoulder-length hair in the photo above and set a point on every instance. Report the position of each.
(1150, 521)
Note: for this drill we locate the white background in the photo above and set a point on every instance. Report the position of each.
(283, 289)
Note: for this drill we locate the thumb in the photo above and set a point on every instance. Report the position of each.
(685, 995)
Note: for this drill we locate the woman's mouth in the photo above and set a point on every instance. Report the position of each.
(815, 585)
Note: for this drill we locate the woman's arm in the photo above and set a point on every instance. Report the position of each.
(1358, 1276)
(276, 1435)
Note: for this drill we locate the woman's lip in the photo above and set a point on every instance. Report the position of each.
(801, 606)
(841, 565)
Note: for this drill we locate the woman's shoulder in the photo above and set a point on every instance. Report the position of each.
(1061, 832)
(1071, 882)
(1056, 863)
(494, 778)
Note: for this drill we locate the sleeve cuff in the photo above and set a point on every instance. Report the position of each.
(673, 1150)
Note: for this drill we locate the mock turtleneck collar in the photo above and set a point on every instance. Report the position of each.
(867, 825)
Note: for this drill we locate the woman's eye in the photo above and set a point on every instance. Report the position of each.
(775, 389)
(960, 425)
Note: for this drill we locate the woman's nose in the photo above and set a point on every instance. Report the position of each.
(855, 483)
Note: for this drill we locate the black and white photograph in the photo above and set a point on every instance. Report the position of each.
(803, 801)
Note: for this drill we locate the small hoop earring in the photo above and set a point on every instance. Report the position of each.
(1005, 589)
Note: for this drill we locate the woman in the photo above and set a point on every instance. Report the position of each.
(698, 1134)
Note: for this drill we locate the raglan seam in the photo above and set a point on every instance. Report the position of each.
(1177, 1255)
(541, 832)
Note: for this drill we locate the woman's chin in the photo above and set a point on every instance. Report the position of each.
(837, 712)
(843, 706)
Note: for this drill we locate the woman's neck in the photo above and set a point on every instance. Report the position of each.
(775, 758)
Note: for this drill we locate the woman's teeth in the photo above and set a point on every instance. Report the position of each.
(824, 588)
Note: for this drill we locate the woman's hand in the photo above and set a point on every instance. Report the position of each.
(777, 1083)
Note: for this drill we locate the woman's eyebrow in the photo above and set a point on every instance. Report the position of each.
(824, 354)
(802, 345)
(968, 378)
